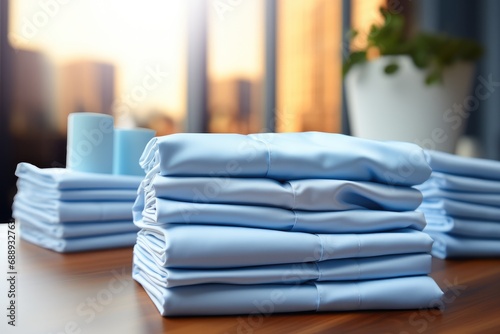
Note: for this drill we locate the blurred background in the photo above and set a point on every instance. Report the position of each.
(202, 66)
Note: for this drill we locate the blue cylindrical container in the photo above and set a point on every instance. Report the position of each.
(129, 144)
(90, 143)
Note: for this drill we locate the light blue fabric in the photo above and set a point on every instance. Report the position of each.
(309, 195)
(163, 211)
(332, 270)
(205, 246)
(81, 244)
(462, 206)
(70, 211)
(54, 211)
(450, 246)
(220, 299)
(434, 194)
(71, 230)
(470, 167)
(460, 184)
(38, 193)
(286, 156)
(458, 209)
(61, 178)
(463, 227)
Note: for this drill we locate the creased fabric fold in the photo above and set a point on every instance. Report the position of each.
(451, 246)
(41, 193)
(305, 194)
(270, 155)
(464, 166)
(413, 292)
(162, 211)
(55, 211)
(463, 227)
(171, 246)
(62, 178)
(462, 206)
(78, 244)
(457, 183)
(290, 273)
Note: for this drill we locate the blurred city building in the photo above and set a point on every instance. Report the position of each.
(85, 86)
(309, 66)
(235, 105)
(32, 107)
(33, 93)
(31, 134)
(162, 123)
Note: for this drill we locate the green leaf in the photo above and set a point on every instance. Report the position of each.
(391, 68)
(433, 78)
(354, 58)
(433, 52)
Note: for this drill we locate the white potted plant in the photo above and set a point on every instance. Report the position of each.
(409, 89)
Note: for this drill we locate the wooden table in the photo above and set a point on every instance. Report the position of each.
(93, 293)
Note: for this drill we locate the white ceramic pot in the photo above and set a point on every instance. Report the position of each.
(402, 107)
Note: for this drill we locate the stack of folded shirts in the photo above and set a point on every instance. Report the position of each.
(70, 211)
(234, 224)
(462, 206)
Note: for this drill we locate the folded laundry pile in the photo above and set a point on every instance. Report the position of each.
(462, 206)
(70, 211)
(88, 204)
(289, 222)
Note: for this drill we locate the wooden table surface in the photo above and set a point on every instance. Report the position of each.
(93, 292)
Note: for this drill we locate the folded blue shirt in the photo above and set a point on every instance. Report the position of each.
(293, 273)
(470, 167)
(163, 211)
(39, 193)
(434, 194)
(412, 292)
(449, 207)
(451, 246)
(71, 230)
(286, 156)
(55, 211)
(205, 246)
(460, 183)
(61, 178)
(463, 227)
(80, 244)
(309, 194)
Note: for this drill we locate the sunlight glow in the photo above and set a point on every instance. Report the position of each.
(137, 35)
